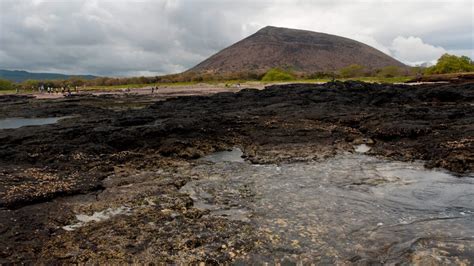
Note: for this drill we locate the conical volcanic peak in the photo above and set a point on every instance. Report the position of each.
(301, 50)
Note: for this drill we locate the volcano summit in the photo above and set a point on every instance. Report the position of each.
(300, 50)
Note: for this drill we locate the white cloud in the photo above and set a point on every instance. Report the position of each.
(413, 50)
(125, 37)
(35, 23)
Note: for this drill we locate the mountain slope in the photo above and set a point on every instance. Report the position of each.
(20, 76)
(301, 50)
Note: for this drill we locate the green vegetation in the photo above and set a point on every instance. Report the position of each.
(352, 71)
(391, 72)
(6, 84)
(378, 79)
(322, 75)
(276, 74)
(358, 71)
(451, 64)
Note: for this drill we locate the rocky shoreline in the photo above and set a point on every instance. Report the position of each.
(136, 151)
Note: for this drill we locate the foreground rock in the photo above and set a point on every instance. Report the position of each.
(133, 154)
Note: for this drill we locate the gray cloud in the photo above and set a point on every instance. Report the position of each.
(134, 37)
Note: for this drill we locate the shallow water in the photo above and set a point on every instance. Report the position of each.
(17, 122)
(351, 208)
(362, 148)
(234, 155)
(84, 219)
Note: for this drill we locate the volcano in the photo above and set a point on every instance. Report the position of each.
(299, 50)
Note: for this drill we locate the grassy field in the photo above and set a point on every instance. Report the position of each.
(3, 92)
(7, 92)
(383, 80)
(365, 79)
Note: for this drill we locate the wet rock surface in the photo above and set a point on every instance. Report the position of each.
(136, 153)
(349, 208)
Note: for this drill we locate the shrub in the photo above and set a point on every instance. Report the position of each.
(276, 74)
(322, 75)
(451, 64)
(6, 84)
(31, 84)
(75, 81)
(390, 72)
(352, 71)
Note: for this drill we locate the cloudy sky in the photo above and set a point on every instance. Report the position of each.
(150, 37)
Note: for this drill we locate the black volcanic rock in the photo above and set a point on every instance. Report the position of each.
(135, 162)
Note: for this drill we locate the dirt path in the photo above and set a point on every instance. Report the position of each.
(162, 91)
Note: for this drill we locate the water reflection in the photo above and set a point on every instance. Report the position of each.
(362, 148)
(17, 122)
(351, 208)
(234, 155)
(84, 219)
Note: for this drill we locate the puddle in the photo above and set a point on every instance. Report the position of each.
(84, 219)
(17, 122)
(353, 208)
(234, 155)
(362, 148)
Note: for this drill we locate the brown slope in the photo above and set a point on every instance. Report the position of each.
(303, 51)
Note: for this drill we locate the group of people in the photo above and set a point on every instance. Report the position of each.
(153, 89)
(228, 85)
(65, 91)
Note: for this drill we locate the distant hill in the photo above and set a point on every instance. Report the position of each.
(301, 50)
(20, 76)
